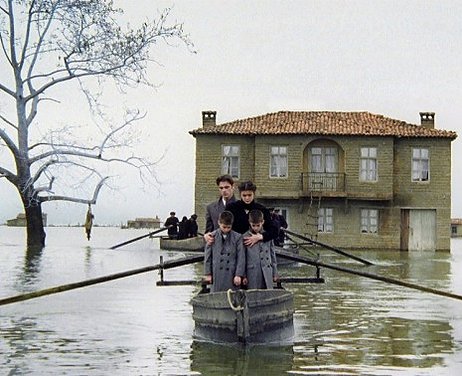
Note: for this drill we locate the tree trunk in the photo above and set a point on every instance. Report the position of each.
(35, 231)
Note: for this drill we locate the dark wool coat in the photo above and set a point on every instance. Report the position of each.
(261, 265)
(213, 212)
(224, 260)
(241, 211)
(173, 223)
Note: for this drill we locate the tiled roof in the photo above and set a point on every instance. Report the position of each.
(323, 123)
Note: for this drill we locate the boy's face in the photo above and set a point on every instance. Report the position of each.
(224, 228)
(256, 227)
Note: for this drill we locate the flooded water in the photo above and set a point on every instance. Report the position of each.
(350, 325)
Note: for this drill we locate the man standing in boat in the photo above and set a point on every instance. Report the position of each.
(225, 185)
(172, 226)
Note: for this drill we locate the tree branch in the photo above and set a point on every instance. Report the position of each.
(4, 10)
(9, 142)
(4, 173)
(78, 200)
(8, 122)
(7, 91)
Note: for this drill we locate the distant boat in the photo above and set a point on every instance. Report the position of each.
(246, 316)
(194, 244)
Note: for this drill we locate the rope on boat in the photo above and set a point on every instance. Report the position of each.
(233, 307)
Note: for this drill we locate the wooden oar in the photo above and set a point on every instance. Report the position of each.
(71, 286)
(306, 260)
(138, 238)
(301, 245)
(327, 246)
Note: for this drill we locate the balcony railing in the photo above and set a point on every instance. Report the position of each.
(323, 182)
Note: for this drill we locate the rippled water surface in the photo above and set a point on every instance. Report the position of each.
(350, 325)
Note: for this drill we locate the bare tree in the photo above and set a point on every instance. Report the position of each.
(46, 45)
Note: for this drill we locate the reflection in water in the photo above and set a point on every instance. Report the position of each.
(350, 325)
(88, 257)
(215, 359)
(32, 261)
(357, 321)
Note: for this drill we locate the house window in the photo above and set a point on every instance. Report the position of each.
(369, 221)
(278, 163)
(368, 164)
(324, 159)
(323, 169)
(230, 160)
(420, 165)
(325, 220)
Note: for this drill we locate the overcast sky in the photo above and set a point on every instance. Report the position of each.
(394, 58)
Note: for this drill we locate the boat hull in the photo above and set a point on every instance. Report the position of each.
(246, 316)
(190, 244)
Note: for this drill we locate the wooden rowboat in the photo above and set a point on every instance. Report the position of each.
(189, 244)
(246, 316)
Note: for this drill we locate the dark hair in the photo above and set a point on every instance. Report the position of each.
(227, 178)
(172, 213)
(255, 216)
(226, 218)
(247, 186)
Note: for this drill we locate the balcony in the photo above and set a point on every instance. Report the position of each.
(325, 183)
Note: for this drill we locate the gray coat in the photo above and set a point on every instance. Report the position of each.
(224, 260)
(213, 212)
(261, 264)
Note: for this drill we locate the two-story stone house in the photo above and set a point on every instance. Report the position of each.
(348, 179)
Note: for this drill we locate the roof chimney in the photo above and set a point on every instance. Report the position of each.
(209, 118)
(427, 119)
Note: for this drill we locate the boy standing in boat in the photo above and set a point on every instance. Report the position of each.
(261, 268)
(224, 260)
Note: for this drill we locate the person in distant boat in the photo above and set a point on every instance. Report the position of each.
(261, 265)
(225, 185)
(192, 226)
(224, 260)
(183, 228)
(241, 209)
(281, 225)
(172, 226)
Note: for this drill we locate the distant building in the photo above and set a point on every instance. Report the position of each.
(456, 227)
(20, 220)
(144, 223)
(350, 179)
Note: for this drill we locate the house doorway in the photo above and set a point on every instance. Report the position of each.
(418, 229)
